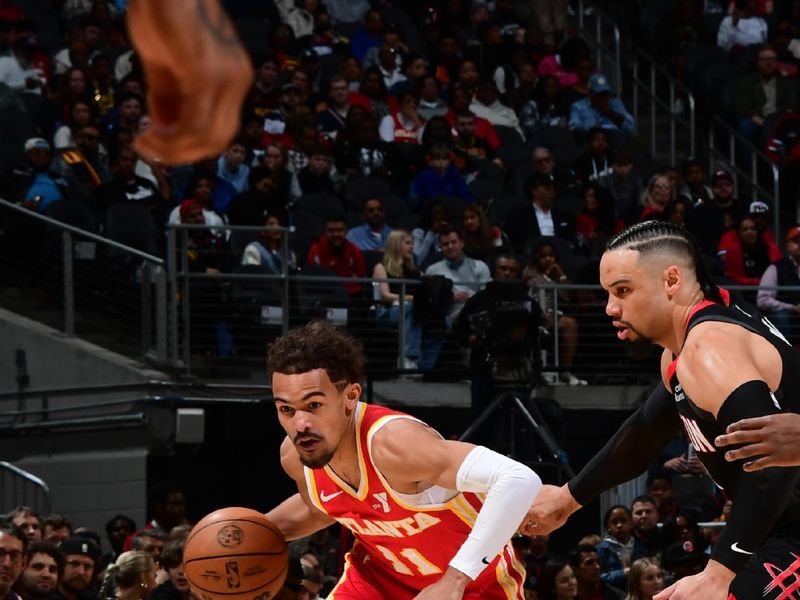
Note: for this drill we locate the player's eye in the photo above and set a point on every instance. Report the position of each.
(314, 405)
(286, 410)
(621, 291)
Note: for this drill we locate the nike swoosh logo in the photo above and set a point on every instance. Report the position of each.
(735, 548)
(485, 560)
(325, 498)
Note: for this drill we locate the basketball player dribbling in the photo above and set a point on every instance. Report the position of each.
(432, 518)
(720, 364)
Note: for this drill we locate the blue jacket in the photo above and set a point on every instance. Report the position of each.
(428, 184)
(611, 569)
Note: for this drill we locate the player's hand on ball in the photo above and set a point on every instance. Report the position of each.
(197, 72)
(550, 510)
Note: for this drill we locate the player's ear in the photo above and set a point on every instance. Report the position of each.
(672, 279)
(351, 394)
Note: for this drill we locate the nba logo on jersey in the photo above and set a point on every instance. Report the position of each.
(383, 502)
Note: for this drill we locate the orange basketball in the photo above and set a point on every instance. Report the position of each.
(235, 554)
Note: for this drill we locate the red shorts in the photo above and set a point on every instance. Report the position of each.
(360, 581)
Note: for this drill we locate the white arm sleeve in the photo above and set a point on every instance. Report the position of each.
(511, 488)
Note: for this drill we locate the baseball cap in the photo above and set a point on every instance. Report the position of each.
(189, 205)
(682, 551)
(598, 83)
(793, 233)
(757, 207)
(80, 545)
(37, 142)
(721, 174)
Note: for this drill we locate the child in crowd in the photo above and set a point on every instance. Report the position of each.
(619, 548)
(441, 178)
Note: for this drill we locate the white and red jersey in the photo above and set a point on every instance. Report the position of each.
(409, 538)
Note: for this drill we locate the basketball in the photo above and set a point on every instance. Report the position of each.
(235, 554)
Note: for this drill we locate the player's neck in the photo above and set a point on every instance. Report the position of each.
(676, 337)
(345, 462)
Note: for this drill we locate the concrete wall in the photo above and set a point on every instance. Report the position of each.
(56, 360)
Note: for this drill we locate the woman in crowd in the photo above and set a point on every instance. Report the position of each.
(177, 586)
(133, 575)
(544, 268)
(656, 196)
(481, 239)
(73, 86)
(80, 114)
(267, 250)
(678, 211)
(276, 160)
(751, 254)
(596, 223)
(398, 263)
(645, 580)
(557, 581)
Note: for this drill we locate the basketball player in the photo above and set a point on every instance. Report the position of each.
(773, 440)
(432, 518)
(197, 74)
(719, 365)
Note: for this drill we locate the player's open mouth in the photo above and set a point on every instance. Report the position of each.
(308, 443)
(622, 330)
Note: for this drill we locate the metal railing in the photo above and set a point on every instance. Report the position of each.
(649, 83)
(83, 284)
(603, 35)
(754, 173)
(19, 487)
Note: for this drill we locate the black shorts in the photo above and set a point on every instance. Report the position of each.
(773, 573)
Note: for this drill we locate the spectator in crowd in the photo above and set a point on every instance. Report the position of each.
(487, 106)
(231, 167)
(415, 67)
(177, 586)
(366, 154)
(441, 178)
(317, 177)
(332, 120)
(683, 559)
(126, 186)
(426, 237)
(13, 546)
(543, 163)
(694, 187)
(550, 109)
(82, 166)
(39, 579)
(133, 575)
(678, 211)
(467, 274)
(267, 250)
(460, 101)
(261, 200)
(596, 223)
(125, 115)
(763, 96)
(374, 232)
(264, 95)
(586, 565)
(404, 126)
(619, 548)
(118, 529)
(73, 86)
(655, 198)
(91, 38)
(149, 541)
(712, 219)
(547, 219)
(203, 187)
(596, 161)
(645, 580)
(482, 240)
(746, 261)
(430, 101)
(780, 305)
(81, 558)
(681, 527)
(600, 109)
(659, 488)
(80, 115)
(398, 263)
(644, 515)
(55, 529)
(368, 37)
(625, 187)
(557, 581)
(544, 268)
(580, 90)
(28, 521)
(470, 153)
(389, 61)
(276, 160)
(742, 28)
(203, 245)
(334, 251)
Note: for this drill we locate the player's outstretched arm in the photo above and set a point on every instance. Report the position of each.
(197, 72)
(408, 453)
(772, 441)
(296, 517)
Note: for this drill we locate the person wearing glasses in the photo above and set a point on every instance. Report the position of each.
(13, 545)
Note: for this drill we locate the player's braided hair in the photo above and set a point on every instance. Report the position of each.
(318, 345)
(652, 236)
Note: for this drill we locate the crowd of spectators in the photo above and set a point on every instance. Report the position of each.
(471, 128)
(642, 549)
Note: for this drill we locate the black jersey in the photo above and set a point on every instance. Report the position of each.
(701, 426)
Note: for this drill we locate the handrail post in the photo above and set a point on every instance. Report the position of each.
(187, 351)
(618, 59)
(162, 328)
(401, 328)
(285, 280)
(68, 283)
(556, 345)
(652, 110)
(172, 279)
(635, 87)
(692, 124)
(776, 190)
(754, 176)
(146, 282)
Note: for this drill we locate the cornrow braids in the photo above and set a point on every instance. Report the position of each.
(652, 236)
